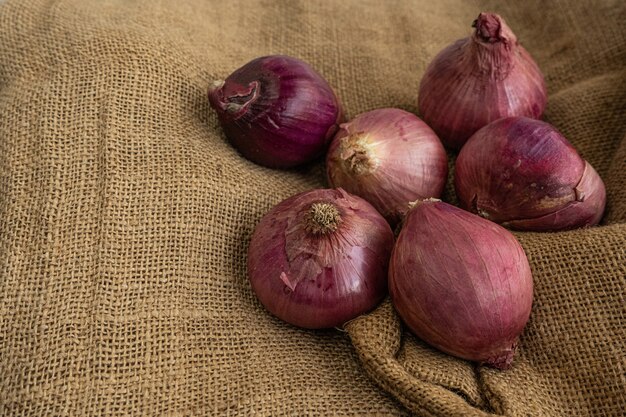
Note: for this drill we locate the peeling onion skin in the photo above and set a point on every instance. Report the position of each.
(480, 79)
(525, 175)
(277, 111)
(461, 283)
(320, 277)
(389, 157)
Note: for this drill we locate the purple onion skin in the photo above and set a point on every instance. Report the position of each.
(461, 283)
(390, 158)
(277, 111)
(480, 79)
(525, 175)
(320, 280)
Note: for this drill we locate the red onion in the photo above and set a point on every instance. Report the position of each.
(277, 111)
(319, 259)
(461, 283)
(389, 157)
(524, 174)
(480, 79)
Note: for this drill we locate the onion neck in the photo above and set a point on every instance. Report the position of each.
(355, 156)
(491, 28)
(233, 98)
(504, 358)
(491, 49)
(322, 218)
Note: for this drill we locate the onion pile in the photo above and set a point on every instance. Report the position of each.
(459, 280)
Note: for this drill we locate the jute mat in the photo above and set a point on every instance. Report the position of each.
(125, 215)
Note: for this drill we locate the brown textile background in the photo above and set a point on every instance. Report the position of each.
(125, 216)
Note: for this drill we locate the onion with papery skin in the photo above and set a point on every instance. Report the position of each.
(277, 111)
(480, 79)
(524, 174)
(461, 283)
(319, 259)
(390, 158)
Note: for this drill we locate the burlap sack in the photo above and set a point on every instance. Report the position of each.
(125, 215)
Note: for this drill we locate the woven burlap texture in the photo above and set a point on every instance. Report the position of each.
(125, 215)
